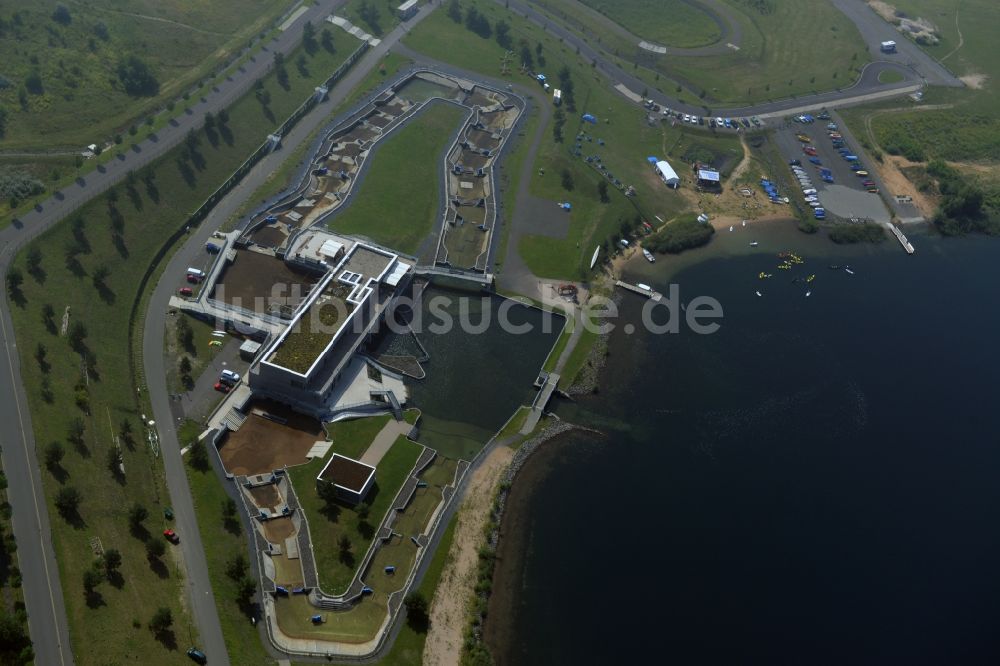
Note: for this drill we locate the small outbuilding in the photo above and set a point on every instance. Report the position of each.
(667, 174)
(708, 178)
(408, 9)
(351, 478)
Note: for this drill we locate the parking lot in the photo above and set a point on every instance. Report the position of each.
(846, 197)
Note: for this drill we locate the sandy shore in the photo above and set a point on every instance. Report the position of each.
(449, 612)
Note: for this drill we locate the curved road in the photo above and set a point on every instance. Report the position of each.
(918, 67)
(43, 596)
(730, 30)
(198, 581)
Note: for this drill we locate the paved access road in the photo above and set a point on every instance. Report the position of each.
(915, 65)
(200, 590)
(43, 596)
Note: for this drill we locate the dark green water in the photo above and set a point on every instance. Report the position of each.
(816, 483)
(475, 379)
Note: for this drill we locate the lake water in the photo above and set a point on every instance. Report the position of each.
(816, 483)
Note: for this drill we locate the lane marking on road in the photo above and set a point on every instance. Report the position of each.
(31, 480)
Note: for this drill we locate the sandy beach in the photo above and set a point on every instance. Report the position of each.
(449, 609)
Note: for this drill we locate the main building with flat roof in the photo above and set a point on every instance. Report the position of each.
(303, 365)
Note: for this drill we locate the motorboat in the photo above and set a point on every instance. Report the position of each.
(649, 256)
(753, 243)
(808, 294)
(848, 269)
(758, 293)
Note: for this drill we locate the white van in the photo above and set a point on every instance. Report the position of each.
(196, 272)
(809, 191)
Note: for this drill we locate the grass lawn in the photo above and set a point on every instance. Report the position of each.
(553, 358)
(11, 596)
(397, 202)
(721, 150)
(409, 646)
(786, 52)
(360, 623)
(73, 256)
(889, 76)
(968, 128)
(222, 543)
(326, 527)
(513, 427)
(199, 353)
(380, 19)
(279, 179)
(629, 139)
(77, 97)
(578, 357)
(666, 22)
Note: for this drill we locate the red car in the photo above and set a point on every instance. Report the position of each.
(222, 388)
(185, 291)
(171, 536)
(193, 279)
(809, 151)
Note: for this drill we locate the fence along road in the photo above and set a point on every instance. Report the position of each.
(43, 596)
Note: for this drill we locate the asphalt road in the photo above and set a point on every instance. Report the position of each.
(916, 66)
(43, 596)
(199, 586)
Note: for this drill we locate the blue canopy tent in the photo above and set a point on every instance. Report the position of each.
(590, 119)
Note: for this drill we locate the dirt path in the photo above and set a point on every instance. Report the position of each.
(147, 17)
(450, 605)
(961, 39)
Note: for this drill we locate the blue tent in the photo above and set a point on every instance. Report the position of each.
(590, 119)
(566, 206)
(652, 160)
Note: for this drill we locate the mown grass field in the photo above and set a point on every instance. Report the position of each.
(628, 137)
(795, 50)
(73, 257)
(279, 179)
(78, 98)
(326, 526)
(969, 131)
(665, 22)
(397, 202)
(224, 541)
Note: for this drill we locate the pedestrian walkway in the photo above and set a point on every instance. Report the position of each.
(384, 440)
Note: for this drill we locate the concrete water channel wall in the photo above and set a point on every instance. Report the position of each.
(469, 212)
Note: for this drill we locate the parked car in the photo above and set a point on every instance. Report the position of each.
(229, 377)
(197, 655)
(868, 183)
(873, 190)
(861, 173)
(815, 160)
(212, 248)
(185, 291)
(193, 279)
(221, 388)
(171, 536)
(794, 162)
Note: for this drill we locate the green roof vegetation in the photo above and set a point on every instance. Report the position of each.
(304, 343)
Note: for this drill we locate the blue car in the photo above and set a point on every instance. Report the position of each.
(815, 160)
